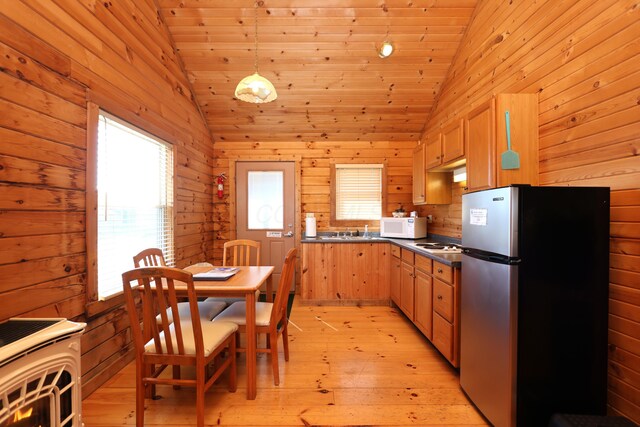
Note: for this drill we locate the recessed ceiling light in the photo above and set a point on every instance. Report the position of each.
(386, 49)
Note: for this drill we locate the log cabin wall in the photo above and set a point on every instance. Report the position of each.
(56, 56)
(315, 167)
(581, 58)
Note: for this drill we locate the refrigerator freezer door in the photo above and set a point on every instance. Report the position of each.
(489, 221)
(488, 338)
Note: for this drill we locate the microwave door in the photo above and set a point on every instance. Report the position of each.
(394, 227)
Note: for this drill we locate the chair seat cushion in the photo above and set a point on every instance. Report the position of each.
(213, 334)
(207, 309)
(231, 300)
(237, 313)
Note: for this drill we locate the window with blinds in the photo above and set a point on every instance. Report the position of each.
(358, 191)
(135, 199)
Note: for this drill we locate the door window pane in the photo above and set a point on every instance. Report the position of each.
(266, 200)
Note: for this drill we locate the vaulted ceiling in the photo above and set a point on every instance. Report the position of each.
(321, 56)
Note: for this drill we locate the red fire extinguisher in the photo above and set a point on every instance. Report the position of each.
(221, 179)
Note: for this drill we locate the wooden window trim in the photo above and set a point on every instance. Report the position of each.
(333, 222)
(93, 305)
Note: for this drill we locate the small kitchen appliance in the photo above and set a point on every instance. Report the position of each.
(403, 228)
(533, 328)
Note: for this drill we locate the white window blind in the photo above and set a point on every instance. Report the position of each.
(358, 191)
(135, 199)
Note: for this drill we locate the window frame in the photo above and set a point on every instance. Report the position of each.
(334, 222)
(94, 305)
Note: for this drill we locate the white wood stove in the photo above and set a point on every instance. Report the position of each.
(40, 373)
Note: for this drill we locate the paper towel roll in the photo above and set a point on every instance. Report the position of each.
(311, 227)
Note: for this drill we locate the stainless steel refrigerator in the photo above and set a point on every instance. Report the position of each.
(534, 302)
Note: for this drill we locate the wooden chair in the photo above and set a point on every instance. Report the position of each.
(153, 257)
(181, 342)
(240, 252)
(271, 318)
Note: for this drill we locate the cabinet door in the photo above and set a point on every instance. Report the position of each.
(433, 151)
(396, 269)
(453, 141)
(523, 109)
(443, 336)
(419, 175)
(406, 289)
(423, 306)
(480, 130)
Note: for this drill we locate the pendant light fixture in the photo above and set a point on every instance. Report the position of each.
(255, 88)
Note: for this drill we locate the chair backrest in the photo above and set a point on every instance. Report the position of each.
(168, 336)
(241, 252)
(152, 257)
(282, 293)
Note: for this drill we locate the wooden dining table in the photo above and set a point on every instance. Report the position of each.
(244, 284)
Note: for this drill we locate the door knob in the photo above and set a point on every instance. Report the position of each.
(289, 234)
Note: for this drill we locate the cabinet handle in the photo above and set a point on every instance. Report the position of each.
(439, 297)
(440, 270)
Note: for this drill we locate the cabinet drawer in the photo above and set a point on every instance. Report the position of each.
(395, 251)
(423, 263)
(443, 272)
(407, 256)
(443, 336)
(443, 299)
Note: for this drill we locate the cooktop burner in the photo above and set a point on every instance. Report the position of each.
(440, 247)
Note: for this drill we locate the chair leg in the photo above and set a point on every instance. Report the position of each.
(140, 392)
(285, 338)
(200, 380)
(273, 335)
(233, 372)
(176, 375)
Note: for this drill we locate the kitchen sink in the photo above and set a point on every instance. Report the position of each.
(356, 238)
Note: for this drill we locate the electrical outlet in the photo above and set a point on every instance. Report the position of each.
(429, 219)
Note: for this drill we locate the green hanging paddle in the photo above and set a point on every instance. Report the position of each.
(510, 159)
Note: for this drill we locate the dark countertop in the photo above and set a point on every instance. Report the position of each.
(454, 260)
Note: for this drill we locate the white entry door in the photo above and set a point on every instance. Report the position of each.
(266, 209)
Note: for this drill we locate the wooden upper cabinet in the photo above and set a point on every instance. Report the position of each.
(486, 140)
(433, 150)
(419, 193)
(453, 141)
(479, 127)
(523, 112)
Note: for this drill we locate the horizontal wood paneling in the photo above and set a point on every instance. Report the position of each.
(578, 57)
(315, 180)
(54, 56)
(322, 59)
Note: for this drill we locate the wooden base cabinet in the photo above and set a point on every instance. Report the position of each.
(446, 311)
(407, 283)
(423, 307)
(486, 140)
(429, 295)
(345, 273)
(395, 275)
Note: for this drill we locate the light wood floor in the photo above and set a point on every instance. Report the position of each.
(348, 366)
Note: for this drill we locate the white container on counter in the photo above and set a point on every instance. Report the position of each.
(310, 230)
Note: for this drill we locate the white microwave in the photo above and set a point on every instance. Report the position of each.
(403, 228)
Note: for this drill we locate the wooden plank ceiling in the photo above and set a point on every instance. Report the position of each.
(321, 57)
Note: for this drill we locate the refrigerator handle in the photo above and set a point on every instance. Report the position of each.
(490, 256)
